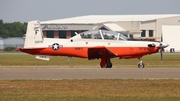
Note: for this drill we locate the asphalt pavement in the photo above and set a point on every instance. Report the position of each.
(29, 73)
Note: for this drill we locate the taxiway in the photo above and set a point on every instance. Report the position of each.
(87, 73)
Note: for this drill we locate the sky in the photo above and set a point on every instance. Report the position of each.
(43, 10)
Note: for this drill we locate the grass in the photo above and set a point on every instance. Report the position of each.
(90, 90)
(151, 61)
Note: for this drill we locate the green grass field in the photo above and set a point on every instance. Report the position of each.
(90, 90)
(151, 61)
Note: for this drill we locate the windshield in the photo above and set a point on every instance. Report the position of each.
(91, 34)
(110, 35)
(102, 34)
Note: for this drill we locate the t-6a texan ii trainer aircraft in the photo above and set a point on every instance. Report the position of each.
(97, 44)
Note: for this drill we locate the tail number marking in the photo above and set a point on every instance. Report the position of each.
(36, 31)
(38, 41)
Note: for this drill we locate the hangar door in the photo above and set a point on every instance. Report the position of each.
(171, 35)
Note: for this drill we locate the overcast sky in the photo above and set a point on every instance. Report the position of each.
(27, 10)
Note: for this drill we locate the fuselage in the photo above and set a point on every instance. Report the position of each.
(79, 48)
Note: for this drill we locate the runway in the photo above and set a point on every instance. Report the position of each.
(87, 73)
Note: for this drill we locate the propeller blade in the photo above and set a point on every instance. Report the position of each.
(161, 37)
(161, 54)
(161, 47)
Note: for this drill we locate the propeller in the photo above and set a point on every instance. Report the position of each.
(162, 45)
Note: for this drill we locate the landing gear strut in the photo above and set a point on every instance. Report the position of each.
(141, 64)
(105, 63)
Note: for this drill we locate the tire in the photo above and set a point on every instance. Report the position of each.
(141, 65)
(109, 65)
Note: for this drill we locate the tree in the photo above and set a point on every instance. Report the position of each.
(15, 29)
(1, 28)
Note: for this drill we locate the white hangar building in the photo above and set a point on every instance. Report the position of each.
(142, 27)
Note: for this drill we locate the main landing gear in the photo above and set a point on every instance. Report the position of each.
(105, 63)
(141, 64)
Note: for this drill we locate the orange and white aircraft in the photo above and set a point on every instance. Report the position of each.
(97, 44)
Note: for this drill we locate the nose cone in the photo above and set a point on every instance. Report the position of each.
(163, 45)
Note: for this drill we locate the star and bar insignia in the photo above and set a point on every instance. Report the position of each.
(55, 46)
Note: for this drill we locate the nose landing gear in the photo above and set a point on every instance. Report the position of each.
(141, 64)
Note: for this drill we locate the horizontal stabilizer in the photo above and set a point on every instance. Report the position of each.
(43, 57)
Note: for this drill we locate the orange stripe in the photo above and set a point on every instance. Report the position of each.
(82, 51)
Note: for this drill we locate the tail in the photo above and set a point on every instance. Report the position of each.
(34, 34)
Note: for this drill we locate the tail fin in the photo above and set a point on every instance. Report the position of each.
(34, 34)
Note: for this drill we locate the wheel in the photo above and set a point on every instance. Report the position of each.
(141, 65)
(109, 65)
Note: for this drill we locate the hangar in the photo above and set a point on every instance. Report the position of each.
(137, 27)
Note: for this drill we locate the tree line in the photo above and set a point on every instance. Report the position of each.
(15, 29)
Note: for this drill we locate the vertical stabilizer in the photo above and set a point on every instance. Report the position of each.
(34, 34)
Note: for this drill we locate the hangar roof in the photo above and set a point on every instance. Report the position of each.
(93, 19)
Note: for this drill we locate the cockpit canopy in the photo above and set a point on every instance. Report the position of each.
(102, 34)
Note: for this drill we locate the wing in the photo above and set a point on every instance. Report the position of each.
(100, 52)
